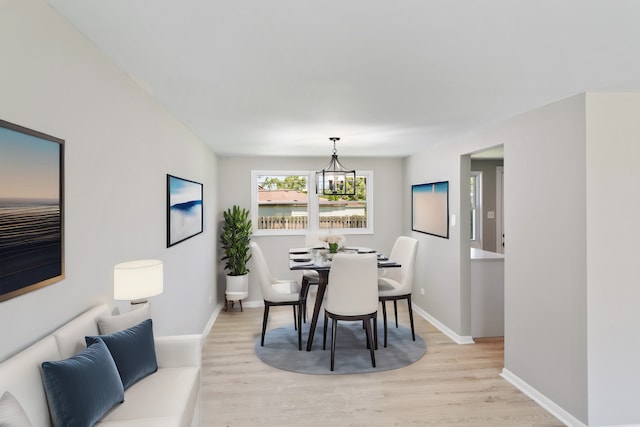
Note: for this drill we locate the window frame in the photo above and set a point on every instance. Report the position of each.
(476, 208)
(313, 204)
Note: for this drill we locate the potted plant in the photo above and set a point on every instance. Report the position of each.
(234, 237)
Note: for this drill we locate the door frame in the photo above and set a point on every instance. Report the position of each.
(500, 209)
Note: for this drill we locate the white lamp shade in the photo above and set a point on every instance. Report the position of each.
(134, 280)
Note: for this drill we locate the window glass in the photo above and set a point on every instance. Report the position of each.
(345, 211)
(475, 205)
(284, 202)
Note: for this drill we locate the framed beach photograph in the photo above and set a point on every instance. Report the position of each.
(430, 208)
(31, 210)
(184, 209)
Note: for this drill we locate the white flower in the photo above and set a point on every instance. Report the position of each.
(333, 238)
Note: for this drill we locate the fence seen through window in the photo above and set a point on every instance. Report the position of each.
(283, 204)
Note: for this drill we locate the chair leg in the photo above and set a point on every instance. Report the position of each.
(384, 320)
(240, 305)
(265, 316)
(295, 322)
(334, 333)
(324, 333)
(304, 311)
(395, 309)
(304, 291)
(375, 330)
(299, 326)
(370, 343)
(413, 332)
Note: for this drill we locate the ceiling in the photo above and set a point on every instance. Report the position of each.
(391, 78)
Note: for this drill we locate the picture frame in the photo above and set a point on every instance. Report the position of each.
(31, 210)
(185, 217)
(430, 208)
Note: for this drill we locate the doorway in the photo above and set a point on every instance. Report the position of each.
(486, 261)
(489, 218)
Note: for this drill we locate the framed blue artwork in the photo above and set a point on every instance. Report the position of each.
(31, 210)
(185, 217)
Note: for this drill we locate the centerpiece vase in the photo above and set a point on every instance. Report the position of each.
(333, 248)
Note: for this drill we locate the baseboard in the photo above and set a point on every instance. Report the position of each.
(212, 320)
(541, 399)
(458, 339)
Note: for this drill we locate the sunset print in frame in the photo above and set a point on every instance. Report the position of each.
(430, 208)
(31, 210)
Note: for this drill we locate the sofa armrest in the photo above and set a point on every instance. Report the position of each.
(179, 351)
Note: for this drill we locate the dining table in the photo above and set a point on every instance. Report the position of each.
(309, 259)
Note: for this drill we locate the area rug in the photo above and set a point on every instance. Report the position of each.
(352, 357)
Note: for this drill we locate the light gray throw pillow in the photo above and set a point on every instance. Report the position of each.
(11, 413)
(120, 322)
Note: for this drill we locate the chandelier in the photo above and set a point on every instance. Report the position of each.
(335, 179)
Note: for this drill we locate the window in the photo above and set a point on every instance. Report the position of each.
(281, 201)
(285, 202)
(476, 208)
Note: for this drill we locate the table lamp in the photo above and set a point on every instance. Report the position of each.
(137, 280)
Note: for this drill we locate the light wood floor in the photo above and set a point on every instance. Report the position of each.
(452, 385)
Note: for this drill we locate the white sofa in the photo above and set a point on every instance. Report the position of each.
(168, 397)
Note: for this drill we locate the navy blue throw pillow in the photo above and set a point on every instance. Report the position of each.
(81, 389)
(133, 351)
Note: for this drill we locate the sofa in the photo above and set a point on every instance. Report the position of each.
(166, 395)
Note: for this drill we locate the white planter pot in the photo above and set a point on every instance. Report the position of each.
(237, 290)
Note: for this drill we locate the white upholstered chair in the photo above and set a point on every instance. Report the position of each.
(352, 295)
(276, 292)
(397, 283)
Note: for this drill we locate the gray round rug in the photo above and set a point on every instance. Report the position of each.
(352, 357)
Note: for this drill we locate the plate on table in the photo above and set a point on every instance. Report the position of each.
(298, 251)
(361, 250)
(301, 263)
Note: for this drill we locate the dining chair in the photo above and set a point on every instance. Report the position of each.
(397, 283)
(352, 295)
(309, 277)
(276, 292)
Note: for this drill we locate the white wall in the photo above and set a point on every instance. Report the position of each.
(613, 206)
(571, 208)
(388, 214)
(120, 145)
(545, 271)
(545, 252)
(438, 259)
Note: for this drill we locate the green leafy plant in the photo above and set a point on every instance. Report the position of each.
(235, 237)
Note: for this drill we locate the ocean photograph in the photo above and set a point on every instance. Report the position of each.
(30, 243)
(184, 216)
(31, 227)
